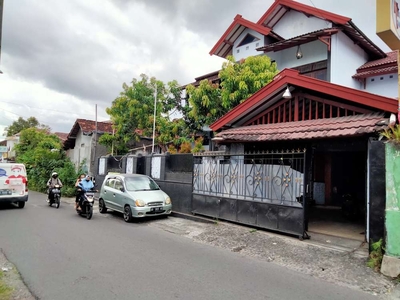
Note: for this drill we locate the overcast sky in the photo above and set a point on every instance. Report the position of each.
(61, 58)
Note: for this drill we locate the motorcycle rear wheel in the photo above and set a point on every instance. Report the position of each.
(57, 201)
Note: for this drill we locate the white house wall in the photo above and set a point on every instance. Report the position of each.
(312, 52)
(81, 151)
(248, 49)
(296, 23)
(384, 85)
(346, 57)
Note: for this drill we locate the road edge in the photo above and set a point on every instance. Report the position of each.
(15, 280)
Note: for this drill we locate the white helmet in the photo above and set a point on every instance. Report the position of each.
(54, 174)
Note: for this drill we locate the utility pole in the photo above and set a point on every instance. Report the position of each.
(154, 119)
(95, 138)
(1, 24)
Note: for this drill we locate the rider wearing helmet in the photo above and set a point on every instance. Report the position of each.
(51, 183)
(83, 185)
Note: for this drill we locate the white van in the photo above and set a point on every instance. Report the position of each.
(13, 184)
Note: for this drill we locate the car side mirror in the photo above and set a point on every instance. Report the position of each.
(122, 189)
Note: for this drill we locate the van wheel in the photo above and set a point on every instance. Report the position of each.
(127, 214)
(102, 207)
(21, 204)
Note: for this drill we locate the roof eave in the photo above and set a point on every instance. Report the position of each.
(292, 77)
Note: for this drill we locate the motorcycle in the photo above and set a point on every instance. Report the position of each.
(56, 191)
(86, 202)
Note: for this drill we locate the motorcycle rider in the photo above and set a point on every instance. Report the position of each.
(51, 183)
(84, 185)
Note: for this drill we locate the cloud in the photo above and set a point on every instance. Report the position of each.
(70, 55)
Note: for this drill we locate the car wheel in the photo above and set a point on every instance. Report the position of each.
(21, 204)
(127, 214)
(102, 207)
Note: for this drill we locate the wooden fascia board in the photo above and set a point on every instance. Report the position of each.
(239, 21)
(316, 12)
(248, 104)
(353, 95)
(224, 36)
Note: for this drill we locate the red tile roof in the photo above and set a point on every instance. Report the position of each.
(376, 72)
(391, 58)
(387, 65)
(88, 126)
(62, 136)
(312, 129)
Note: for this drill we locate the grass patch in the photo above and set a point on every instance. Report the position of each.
(376, 255)
(5, 290)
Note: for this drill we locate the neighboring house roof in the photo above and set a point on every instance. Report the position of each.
(63, 136)
(310, 129)
(387, 65)
(213, 77)
(275, 13)
(87, 127)
(291, 78)
(224, 45)
(3, 143)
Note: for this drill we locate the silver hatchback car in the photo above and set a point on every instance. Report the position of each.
(134, 195)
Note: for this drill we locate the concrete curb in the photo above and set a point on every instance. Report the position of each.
(192, 217)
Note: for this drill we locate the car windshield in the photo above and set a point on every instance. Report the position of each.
(135, 184)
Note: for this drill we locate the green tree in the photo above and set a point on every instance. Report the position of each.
(21, 124)
(132, 113)
(238, 81)
(42, 154)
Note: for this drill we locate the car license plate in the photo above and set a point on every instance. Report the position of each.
(156, 209)
(5, 192)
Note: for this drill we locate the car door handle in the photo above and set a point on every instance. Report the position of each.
(113, 195)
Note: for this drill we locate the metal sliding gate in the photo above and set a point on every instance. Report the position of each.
(261, 189)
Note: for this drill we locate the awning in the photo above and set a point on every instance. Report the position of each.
(299, 40)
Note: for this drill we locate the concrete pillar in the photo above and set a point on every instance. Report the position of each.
(391, 260)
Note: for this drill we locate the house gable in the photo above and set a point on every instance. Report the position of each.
(224, 46)
(281, 13)
(313, 99)
(294, 23)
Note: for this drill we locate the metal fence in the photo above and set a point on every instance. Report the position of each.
(272, 177)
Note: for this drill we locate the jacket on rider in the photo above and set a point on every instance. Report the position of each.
(86, 184)
(52, 182)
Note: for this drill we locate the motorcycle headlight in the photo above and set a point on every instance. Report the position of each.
(140, 203)
(168, 200)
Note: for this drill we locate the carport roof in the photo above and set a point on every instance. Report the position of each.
(310, 129)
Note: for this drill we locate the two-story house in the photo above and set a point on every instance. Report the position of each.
(305, 148)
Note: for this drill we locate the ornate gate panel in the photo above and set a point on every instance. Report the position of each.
(262, 189)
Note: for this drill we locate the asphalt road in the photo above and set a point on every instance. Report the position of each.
(61, 255)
